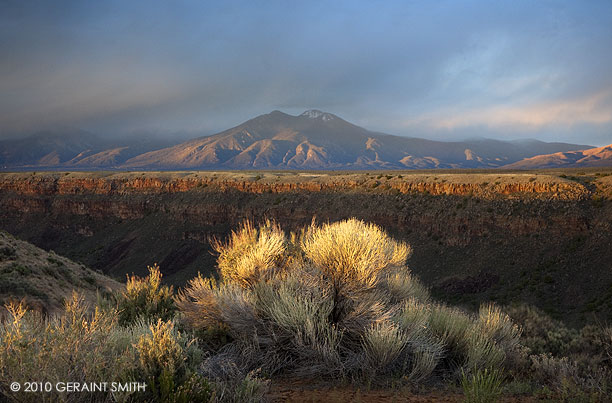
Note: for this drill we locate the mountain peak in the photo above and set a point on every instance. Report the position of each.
(317, 114)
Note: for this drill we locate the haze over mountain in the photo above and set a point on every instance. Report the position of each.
(312, 140)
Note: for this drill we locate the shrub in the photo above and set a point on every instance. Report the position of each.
(383, 344)
(570, 364)
(483, 386)
(552, 371)
(497, 325)
(335, 299)
(425, 349)
(198, 303)
(165, 360)
(76, 346)
(236, 387)
(251, 253)
(7, 252)
(145, 298)
(541, 333)
(83, 346)
(352, 256)
(402, 285)
(352, 252)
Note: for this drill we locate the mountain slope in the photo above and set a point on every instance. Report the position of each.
(73, 149)
(319, 140)
(593, 157)
(44, 279)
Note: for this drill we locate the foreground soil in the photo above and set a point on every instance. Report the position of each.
(315, 392)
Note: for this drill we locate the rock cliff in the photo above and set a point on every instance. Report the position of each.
(525, 236)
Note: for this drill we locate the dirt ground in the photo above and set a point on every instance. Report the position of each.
(312, 392)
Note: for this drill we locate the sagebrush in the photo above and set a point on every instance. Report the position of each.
(336, 299)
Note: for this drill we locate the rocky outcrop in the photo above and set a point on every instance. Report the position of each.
(160, 183)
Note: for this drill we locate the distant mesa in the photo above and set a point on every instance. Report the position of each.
(312, 140)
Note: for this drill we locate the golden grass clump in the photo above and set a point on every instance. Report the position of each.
(78, 346)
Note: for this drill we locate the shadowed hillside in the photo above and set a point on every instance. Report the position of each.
(43, 279)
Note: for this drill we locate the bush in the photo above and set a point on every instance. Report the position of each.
(541, 333)
(383, 344)
(165, 360)
(251, 253)
(75, 346)
(145, 298)
(338, 300)
(483, 386)
(352, 253)
(84, 346)
(570, 364)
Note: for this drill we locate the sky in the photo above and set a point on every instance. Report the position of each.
(437, 69)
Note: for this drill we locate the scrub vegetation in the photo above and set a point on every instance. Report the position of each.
(332, 300)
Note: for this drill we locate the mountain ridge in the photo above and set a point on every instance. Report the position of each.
(321, 140)
(593, 157)
(313, 140)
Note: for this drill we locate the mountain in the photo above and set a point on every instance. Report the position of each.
(593, 157)
(312, 140)
(46, 148)
(320, 140)
(73, 149)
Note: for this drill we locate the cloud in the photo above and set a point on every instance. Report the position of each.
(396, 66)
(593, 109)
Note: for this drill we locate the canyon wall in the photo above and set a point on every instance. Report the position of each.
(536, 238)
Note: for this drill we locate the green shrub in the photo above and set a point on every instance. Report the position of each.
(75, 346)
(483, 386)
(540, 333)
(83, 346)
(145, 298)
(570, 364)
(165, 360)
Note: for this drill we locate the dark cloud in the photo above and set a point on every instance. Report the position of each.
(440, 69)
